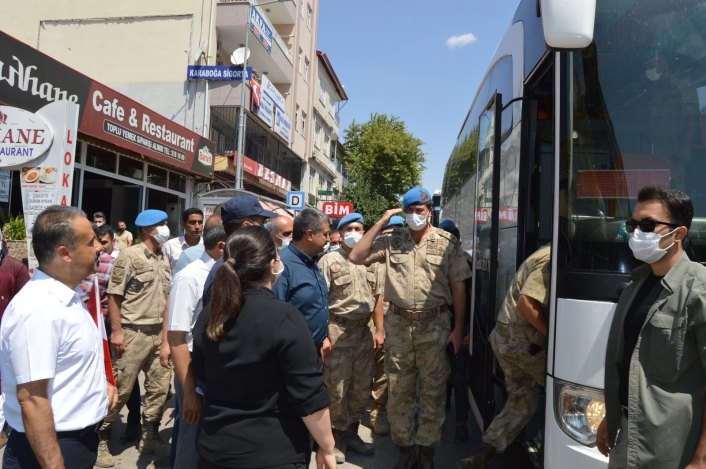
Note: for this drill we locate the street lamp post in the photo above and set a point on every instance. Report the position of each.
(241, 114)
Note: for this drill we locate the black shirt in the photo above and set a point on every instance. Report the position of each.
(262, 377)
(634, 320)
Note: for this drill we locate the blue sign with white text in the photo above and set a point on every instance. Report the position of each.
(217, 72)
(296, 200)
(261, 29)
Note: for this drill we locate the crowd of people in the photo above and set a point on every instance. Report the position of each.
(279, 332)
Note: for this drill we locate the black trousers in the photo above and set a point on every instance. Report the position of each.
(79, 451)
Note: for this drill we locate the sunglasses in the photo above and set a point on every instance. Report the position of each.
(647, 226)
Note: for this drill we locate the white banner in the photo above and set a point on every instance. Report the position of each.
(266, 111)
(283, 126)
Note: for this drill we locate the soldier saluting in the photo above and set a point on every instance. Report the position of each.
(425, 272)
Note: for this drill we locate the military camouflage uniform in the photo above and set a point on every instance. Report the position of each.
(143, 281)
(512, 336)
(379, 391)
(418, 280)
(348, 372)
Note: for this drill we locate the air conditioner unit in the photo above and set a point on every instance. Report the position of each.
(219, 47)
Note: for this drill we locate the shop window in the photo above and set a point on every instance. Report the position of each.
(119, 200)
(177, 182)
(171, 204)
(101, 159)
(131, 168)
(156, 176)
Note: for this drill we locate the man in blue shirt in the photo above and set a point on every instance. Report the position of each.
(302, 284)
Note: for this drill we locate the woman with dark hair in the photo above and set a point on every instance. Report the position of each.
(264, 389)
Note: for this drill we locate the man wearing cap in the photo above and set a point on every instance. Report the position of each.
(237, 212)
(348, 372)
(425, 273)
(137, 301)
(378, 420)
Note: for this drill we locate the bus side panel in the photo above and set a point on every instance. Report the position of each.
(561, 451)
(582, 329)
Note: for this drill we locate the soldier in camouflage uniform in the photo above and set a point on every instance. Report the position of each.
(348, 372)
(519, 341)
(425, 273)
(138, 293)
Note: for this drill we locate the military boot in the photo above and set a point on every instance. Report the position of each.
(479, 458)
(408, 458)
(105, 459)
(378, 420)
(354, 442)
(151, 443)
(426, 458)
(339, 449)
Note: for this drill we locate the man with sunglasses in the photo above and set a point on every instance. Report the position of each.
(655, 369)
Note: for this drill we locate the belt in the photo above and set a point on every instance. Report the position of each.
(515, 331)
(145, 329)
(89, 430)
(349, 322)
(418, 313)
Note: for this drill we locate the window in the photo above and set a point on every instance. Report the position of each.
(156, 176)
(303, 123)
(328, 185)
(306, 69)
(299, 63)
(321, 181)
(131, 168)
(322, 92)
(101, 159)
(308, 16)
(331, 105)
(296, 118)
(317, 136)
(312, 174)
(327, 143)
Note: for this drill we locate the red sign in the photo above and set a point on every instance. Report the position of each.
(507, 215)
(337, 209)
(482, 216)
(619, 184)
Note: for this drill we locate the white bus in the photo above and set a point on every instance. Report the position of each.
(594, 122)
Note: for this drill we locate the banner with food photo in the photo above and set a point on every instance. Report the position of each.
(42, 146)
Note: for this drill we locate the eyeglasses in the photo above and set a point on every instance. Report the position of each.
(647, 226)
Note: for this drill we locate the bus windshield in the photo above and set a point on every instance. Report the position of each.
(637, 107)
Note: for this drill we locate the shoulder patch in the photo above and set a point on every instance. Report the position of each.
(120, 263)
(335, 267)
(138, 263)
(118, 275)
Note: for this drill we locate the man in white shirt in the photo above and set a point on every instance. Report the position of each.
(192, 224)
(184, 308)
(51, 352)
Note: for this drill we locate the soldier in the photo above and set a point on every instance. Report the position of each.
(378, 419)
(138, 293)
(519, 341)
(424, 274)
(348, 372)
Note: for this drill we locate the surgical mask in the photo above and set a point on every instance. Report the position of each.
(652, 74)
(351, 238)
(645, 246)
(334, 248)
(279, 272)
(162, 235)
(99, 223)
(416, 222)
(285, 242)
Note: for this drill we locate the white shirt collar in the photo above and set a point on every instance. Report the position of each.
(63, 293)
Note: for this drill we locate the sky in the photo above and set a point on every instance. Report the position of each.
(421, 61)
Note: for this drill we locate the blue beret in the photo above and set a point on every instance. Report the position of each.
(150, 217)
(415, 196)
(350, 218)
(395, 221)
(447, 225)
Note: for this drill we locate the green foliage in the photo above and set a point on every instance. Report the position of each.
(462, 163)
(384, 160)
(13, 228)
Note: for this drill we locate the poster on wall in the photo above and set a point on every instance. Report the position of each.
(49, 135)
(5, 185)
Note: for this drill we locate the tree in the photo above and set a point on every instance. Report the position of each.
(383, 160)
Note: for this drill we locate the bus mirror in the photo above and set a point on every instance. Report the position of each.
(568, 24)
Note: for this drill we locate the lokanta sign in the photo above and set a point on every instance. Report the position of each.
(24, 136)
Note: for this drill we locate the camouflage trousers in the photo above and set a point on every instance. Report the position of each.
(141, 354)
(524, 377)
(348, 373)
(379, 393)
(416, 350)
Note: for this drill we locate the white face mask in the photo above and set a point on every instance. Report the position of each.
(351, 238)
(416, 222)
(162, 235)
(334, 248)
(652, 74)
(279, 272)
(99, 223)
(285, 242)
(645, 246)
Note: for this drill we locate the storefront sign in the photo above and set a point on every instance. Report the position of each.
(337, 209)
(261, 29)
(29, 80)
(216, 72)
(267, 175)
(269, 89)
(283, 126)
(5, 185)
(23, 136)
(266, 112)
(482, 216)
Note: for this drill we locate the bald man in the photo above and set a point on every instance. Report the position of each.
(281, 229)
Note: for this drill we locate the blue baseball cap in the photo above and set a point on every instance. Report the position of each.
(243, 206)
(447, 225)
(150, 217)
(416, 196)
(395, 221)
(350, 218)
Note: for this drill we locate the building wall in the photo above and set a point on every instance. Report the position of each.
(140, 48)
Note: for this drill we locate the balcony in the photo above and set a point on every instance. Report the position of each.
(279, 13)
(231, 24)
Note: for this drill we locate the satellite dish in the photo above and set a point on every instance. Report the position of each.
(239, 56)
(200, 51)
